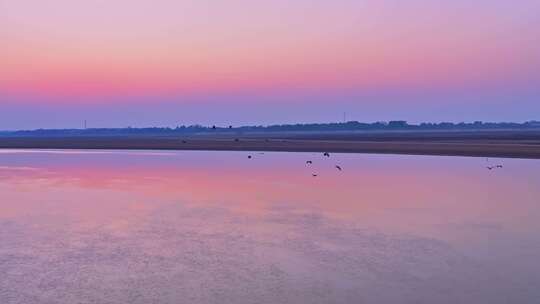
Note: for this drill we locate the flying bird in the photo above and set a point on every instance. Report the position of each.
(309, 162)
(490, 167)
(499, 166)
(314, 175)
(326, 154)
(339, 168)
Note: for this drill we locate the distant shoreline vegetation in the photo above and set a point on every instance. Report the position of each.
(311, 127)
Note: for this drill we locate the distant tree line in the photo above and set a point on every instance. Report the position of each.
(313, 127)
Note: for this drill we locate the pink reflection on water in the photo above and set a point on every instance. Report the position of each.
(195, 205)
(369, 185)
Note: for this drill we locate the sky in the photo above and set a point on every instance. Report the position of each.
(119, 63)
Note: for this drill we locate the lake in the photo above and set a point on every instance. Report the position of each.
(219, 227)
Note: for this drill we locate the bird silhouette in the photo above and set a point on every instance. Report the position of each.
(490, 167)
(314, 175)
(326, 154)
(213, 127)
(249, 156)
(499, 166)
(339, 168)
(309, 162)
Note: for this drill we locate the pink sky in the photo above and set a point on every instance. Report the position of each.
(101, 56)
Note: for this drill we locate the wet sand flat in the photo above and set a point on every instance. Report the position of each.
(451, 146)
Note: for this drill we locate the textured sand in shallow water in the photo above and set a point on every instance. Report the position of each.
(215, 227)
(197, 255)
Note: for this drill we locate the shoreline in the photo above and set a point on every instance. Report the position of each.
(455, 147)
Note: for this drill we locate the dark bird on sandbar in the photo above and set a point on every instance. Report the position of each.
(249, 156)
(309, 162)
(339, 168)
(213, 127)
(230, 127)
(326, 154)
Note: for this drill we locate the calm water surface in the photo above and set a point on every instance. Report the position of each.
(217, 227)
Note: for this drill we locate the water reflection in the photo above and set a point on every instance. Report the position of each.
(205, 227)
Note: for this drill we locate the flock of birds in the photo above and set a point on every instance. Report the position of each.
(310, 162)
(494, 167)
(338, 167)
(491, 167)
